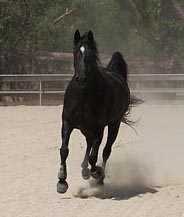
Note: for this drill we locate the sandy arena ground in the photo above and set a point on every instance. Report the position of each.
(145, 174)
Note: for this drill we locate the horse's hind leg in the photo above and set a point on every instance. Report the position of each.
(96, 171)
(62, 185)
(85, 170)
(112, 135)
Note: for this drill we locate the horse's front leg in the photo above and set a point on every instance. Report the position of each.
(62, 185)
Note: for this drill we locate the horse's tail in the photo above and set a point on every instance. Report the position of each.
(117, 64)
(135, 101)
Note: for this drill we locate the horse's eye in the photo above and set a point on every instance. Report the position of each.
(78, 55)
(87, 53)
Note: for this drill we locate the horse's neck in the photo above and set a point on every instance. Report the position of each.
(93, 79)
(92, 84)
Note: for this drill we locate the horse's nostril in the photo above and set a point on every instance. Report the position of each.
(80, 79)
(84, 79)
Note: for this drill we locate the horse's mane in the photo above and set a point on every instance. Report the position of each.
(117, 64)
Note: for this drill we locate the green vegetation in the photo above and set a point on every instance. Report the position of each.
(150, 29)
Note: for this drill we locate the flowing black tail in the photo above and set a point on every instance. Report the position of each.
(135, 101)
(117, 64)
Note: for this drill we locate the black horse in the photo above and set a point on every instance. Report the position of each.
(95, 97)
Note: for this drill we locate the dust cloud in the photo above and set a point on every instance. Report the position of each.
(153, 158)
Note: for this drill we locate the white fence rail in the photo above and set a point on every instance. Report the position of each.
(33, 77)
(137, 82)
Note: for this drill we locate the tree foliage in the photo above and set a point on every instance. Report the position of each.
(144, 28)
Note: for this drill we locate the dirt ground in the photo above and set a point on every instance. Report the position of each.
(144, 177)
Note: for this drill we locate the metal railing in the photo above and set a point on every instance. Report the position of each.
(136, 78)
(33, 77)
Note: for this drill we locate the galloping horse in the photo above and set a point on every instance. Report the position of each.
(96, 97)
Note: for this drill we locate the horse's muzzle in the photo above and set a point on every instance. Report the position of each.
(80, 80)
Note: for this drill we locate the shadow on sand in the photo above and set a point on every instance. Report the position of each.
(113, 192)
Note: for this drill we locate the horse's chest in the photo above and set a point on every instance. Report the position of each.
(82, 116)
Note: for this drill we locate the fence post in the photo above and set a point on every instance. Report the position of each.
(40, 92)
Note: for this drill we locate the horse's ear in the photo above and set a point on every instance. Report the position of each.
(90, 36)
(76, 37)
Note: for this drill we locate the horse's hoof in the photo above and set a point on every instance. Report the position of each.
(62, 187)
(98, 173)
(86, 173)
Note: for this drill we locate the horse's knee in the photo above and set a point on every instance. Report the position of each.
(64, 151)
(106, 153)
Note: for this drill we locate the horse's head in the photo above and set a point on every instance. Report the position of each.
(85, 55)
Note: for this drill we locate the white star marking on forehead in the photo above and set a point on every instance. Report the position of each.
(82, 49)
